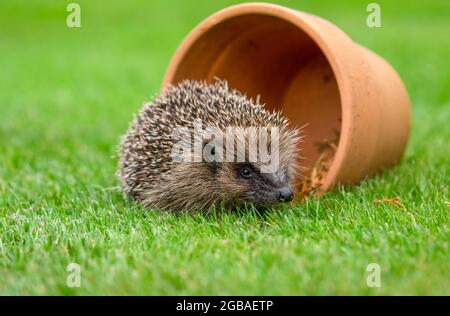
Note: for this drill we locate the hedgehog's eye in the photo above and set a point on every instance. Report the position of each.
(246, 172)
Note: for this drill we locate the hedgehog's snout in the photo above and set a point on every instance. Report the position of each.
(270, 189)
(285, 194)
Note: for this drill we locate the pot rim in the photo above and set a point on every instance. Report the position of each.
(307, 23)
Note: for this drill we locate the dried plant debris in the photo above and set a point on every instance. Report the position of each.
(314, 181)
(447, 203)
(396, 201)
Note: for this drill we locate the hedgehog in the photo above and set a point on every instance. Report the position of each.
(167, 163)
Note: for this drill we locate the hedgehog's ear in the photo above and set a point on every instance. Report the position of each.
(210, 154)
(209, 150)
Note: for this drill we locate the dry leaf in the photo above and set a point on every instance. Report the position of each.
(396, 201)
(314, 181)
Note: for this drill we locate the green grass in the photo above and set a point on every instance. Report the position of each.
(66, 95)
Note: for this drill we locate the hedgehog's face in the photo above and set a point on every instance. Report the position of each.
(245, 183)
(262, 183)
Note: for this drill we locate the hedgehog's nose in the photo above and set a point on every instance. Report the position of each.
(285, 194)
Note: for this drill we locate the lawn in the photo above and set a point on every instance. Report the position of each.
(66, 95)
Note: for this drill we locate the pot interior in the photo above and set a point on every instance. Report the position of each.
(267, 57)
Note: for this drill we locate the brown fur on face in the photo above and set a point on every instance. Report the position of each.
(149, 175)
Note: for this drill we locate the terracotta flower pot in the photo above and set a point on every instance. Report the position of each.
(314, 73)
